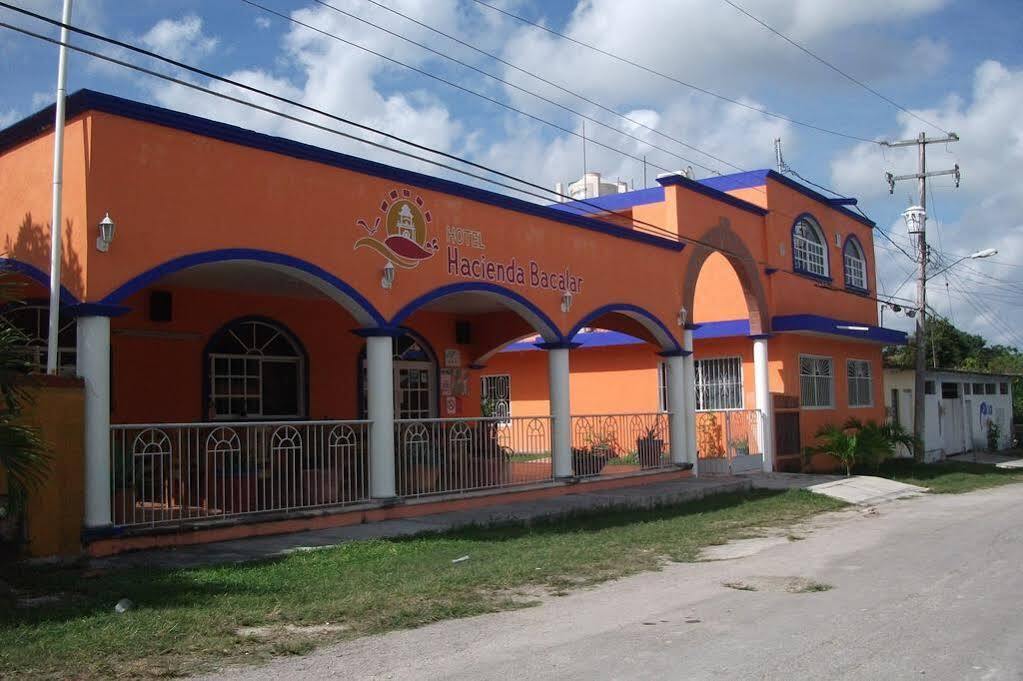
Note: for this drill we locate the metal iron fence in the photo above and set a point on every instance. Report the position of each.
(166, 473)
(610, 444)
(441, 456)
(729, 441)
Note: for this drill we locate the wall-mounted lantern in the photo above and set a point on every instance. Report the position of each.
(106, 234)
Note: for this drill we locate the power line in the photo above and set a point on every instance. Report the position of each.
(656, 229)
(833, 67)
(532, 74)
(478, 94)
(673, 79)
(633, 221)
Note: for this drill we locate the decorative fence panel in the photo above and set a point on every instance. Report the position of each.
(444, 456)
(614, 444)
(170, 473)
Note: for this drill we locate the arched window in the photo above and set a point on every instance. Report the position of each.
(33, 323)
(256, 370)
(415, 379)
(809, 247)
(855, 265)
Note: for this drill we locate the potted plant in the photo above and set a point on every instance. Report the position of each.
(590, 460)
(650, 448)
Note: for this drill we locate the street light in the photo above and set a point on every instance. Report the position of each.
(916, 219)
(979, 255)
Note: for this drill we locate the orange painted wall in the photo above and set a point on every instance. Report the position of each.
(26, 180)
(719, 293)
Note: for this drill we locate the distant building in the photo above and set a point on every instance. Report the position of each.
(590, 186)
(958, 406)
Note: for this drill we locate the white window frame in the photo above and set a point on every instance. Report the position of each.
(727, 388)
(853, 257)
(806, 252)
(803, 377)
(487, 383)
(859, 380)
(254, 355)
(431, 389)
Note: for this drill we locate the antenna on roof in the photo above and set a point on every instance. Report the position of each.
(779, 160)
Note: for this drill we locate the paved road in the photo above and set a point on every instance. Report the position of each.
(927, 588)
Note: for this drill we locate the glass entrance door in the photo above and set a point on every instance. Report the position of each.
(413, 390)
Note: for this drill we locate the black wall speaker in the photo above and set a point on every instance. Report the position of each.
(161, 306)
(462, 333)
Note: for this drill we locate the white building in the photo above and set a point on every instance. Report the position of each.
(958, 405)
(591, 186)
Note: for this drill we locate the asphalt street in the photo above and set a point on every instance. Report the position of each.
(924, 588)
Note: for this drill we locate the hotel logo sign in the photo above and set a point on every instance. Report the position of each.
(406, 241)
(467, 258)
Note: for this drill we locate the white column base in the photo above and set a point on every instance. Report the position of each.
(93, 359)
(380, 411)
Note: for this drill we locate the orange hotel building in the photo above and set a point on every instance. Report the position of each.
(274, 330)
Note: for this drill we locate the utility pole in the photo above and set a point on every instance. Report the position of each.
(916, 221)
(58, 188)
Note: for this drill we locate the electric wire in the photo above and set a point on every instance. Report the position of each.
(213, 76)
(678, 81)
(532, 74)
(833, 67)
(470, 91)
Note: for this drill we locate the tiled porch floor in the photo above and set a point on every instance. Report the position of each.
(257, 548)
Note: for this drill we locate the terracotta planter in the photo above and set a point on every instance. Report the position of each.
(586, 463)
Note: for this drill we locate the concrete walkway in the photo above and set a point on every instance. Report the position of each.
(862, 490)
(1008, 459)
(260, 548)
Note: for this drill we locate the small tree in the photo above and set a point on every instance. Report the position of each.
(859, 443)
(23, 456)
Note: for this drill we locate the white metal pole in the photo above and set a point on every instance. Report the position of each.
(58, 182)
(763, 395)
(380, 409)
(94, 368)
(561, 412)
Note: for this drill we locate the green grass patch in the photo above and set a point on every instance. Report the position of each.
(188, 620)
(948, 477)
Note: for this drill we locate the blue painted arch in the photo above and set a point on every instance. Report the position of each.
(329, 284)
(851, 241)
(661, 333)
(526, 309)
(37, 275)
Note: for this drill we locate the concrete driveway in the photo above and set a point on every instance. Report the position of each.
(923, 588)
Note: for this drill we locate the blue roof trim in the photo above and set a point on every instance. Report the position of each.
(154, 274)
(90, 100)
(584, 339)
(472, 286)
(827, 325)
(727, 183)
(756, 178)
(628, 310)
(713, 193)
(612, 202)
(36, 275)
(98, 310)
(727, 328)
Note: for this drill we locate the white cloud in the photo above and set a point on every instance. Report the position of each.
(989, 202)
(181, 39)
(8, 117)
(262, 22)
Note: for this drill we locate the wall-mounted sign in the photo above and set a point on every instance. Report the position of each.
(452, 358)
(467, 259)
(406, 240)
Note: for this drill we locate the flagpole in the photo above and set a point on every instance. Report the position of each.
(58, 182)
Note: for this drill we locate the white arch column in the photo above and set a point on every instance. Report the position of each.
(689, 386)
(765, 406)
(561, 407)
(679, 406)
(380, 410)
(93, 367)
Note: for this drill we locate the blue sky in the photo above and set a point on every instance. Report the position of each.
(957, 64)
